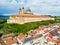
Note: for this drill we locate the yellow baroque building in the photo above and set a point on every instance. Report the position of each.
(24, 17)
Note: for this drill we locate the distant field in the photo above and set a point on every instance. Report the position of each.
(4, 17)
(58, 17)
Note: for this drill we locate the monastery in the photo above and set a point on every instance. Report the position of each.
(27, 16)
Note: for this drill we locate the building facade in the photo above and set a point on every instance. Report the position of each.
(26, 16)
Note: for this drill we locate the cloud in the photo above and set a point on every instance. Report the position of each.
(37, 6)
(45, 6)
(8, 6)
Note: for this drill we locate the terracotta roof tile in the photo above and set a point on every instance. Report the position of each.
(58, 29)
(50, 25)
(11, 41)
(41, 28)
(49, 35)
(21, 35)
(5, 37)
(45, 31)
(30, 15)
(32, 32)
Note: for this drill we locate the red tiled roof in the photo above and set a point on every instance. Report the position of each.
(49, 38)
(32, 33)
(50, 25)
(11, 41)
(58, 29)
(20, 36)
(49, 35)
(58, 43)
(45, 31)
(35, 36)
(25, 15)
(30, 15)
(5, 37)
(41, 27)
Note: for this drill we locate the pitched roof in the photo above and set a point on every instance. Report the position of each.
(41, 27)
(49, 35)
(58, 29)
(11, 41)
(21, 35)
(50, 25)
(32, 32)
(45, 31)
(5, 37)
(30, 15)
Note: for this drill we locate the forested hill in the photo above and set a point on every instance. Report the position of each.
(22, 28)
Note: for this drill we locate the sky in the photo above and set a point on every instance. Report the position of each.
(42, 7)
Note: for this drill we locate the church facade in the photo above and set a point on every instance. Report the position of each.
(26, 16)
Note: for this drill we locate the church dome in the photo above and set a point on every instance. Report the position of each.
(28, 10)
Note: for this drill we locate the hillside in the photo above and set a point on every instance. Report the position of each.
(22, 28)
(57, 18)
